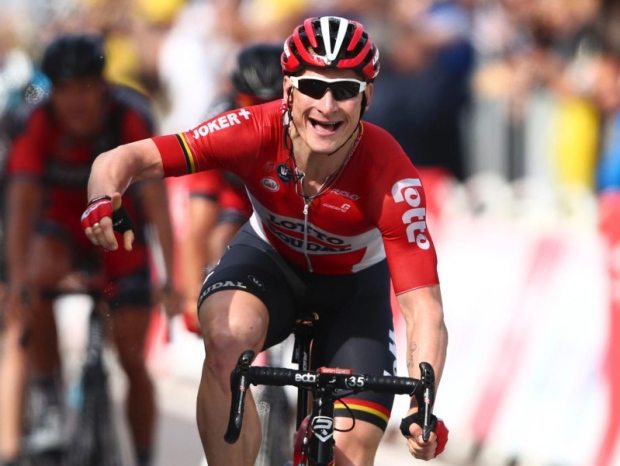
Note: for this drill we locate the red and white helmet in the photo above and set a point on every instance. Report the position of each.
(331, 42)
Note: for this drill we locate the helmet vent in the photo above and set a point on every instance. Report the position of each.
(330, 55)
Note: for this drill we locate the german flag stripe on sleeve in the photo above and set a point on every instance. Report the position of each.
(189, 157)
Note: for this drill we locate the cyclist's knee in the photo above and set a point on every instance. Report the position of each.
(133, 364)
(129, 329)
(358, 446)
(231, 322)
(49, 262)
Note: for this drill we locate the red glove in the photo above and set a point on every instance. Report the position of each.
(97, 209)
(437, 426)
(442, 437)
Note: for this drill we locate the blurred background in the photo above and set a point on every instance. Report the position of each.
(509, 108)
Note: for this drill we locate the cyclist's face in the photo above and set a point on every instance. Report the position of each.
(325, 123)
(78, 104)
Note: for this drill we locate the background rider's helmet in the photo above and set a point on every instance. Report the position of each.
(258, 74)
(331, 42)
(73, 56)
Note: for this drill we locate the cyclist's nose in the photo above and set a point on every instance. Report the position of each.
(327, 103)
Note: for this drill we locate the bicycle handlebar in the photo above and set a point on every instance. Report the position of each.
(243, 375)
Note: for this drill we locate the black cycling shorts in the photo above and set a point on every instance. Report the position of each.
(355, 328)
(129, 288)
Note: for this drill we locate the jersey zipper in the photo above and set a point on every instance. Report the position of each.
(329, 181)
(307, 201)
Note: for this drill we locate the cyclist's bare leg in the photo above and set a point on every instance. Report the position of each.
(12, 384)
(49, 262)
(358, 447)
(129, 329)
(232, 321)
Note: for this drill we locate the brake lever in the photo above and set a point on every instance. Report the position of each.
(425, 396)
(239, 384)
(426, 399)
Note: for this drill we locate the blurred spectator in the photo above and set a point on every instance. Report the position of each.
(206, 32)
(608, 185)
(424, 89)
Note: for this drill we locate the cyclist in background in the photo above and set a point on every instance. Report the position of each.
(343, 209)
(48, 169)
(218, 204)
(16, 97)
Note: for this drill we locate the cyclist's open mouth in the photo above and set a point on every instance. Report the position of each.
(324, 126)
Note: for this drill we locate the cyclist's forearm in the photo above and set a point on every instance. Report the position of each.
(427, 336)
(23, 206)
(115, 170)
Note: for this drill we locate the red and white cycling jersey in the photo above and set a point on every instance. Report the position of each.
(375, 208)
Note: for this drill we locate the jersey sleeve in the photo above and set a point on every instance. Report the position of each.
(27, 156)
(230, 141)
(401, 218)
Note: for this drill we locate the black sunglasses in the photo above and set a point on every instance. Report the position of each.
(342, 89)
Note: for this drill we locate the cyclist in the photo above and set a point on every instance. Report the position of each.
(48, 169)
(343, 208)
(218, 204)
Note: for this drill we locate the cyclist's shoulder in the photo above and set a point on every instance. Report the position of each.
(30, 119)
(381, 150)
(377, 139)
(222, 103)
(129, 100)
(260, 123)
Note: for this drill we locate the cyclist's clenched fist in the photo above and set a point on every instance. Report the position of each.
(436, 442)
(105, 215)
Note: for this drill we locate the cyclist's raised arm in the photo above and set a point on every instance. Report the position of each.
(111, 174)
(113, 171)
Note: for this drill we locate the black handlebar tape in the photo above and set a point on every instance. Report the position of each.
(390, 384)
(276, 376)
(239, 383)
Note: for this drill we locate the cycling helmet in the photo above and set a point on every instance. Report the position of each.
(258, 72)
(72, 56)
(331, 42)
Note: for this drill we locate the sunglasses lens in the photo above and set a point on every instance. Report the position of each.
(341, 90)
(313, 88)
(344, 90)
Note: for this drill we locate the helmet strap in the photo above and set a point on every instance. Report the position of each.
(347, 140)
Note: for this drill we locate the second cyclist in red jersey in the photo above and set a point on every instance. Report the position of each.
(48, 171)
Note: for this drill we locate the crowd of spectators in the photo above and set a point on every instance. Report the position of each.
(443, 62)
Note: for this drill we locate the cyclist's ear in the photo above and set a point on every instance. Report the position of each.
(367, 96)
(287, 89)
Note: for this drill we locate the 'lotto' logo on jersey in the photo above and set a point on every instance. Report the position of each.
(225, 121)
(405, 191)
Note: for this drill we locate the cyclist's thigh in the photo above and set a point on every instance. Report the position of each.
(250, 270)
(130, 326)
(360, 336)
(50, 258)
